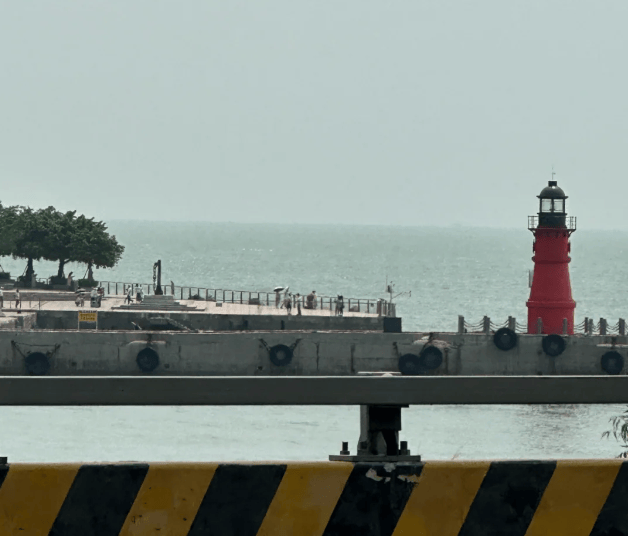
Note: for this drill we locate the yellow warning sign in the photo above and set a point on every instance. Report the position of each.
(88, 316)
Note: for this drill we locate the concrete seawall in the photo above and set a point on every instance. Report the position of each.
(123, 320)
(296, 352)
(227, 353)
(476, 354)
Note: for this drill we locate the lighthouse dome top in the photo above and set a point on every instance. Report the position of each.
(552, 191)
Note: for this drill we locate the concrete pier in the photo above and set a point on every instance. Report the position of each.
(209, 338)
(57, 310)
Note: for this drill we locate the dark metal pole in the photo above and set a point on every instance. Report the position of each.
(158, 290)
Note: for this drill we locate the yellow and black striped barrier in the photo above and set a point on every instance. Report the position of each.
(511, 498)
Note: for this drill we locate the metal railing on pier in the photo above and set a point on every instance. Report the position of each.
(249, 297)
(587, 327)
(570, 223)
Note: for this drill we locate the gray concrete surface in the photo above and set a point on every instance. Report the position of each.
(315, 352)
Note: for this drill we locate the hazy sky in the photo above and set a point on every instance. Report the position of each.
(348, 111)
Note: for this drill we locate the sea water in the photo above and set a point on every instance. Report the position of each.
(448, 270)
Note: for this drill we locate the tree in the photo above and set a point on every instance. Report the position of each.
(32, 233)
(94, 246)
(8, 220)
(56, 236)
(63, 227)
(619, 430)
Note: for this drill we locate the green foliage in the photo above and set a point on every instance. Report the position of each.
(56, 236)
(619, 430)
(60, 244)
(56, 280)
(94, 246)
(31, 232)
(86, 283)
(8, 230)
(5, 275)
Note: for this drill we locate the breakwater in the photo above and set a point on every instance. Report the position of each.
(298, 352)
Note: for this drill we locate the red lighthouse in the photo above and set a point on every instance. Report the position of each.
(550, 295)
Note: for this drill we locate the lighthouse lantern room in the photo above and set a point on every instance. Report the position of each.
(551, 306)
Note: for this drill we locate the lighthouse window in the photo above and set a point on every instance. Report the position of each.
(546, 205)
(559, 205)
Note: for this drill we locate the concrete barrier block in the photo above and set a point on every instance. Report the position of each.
(471, 498)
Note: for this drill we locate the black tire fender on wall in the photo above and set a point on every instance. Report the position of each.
(505, 339)
(37, 364)
(553, 345)
(612, 362)
(280, 355)
(147, 360)
(431, 357)
(410, 365)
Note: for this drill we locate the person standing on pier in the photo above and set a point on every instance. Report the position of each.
(340, 305)
(1, 298)
(287, 303)
(17, 298)
(297, 299)
(310, 300)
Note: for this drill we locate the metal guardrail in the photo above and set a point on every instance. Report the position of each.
(588, 326)
(364, 305)
(334, 390)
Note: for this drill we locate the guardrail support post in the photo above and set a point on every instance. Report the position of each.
(512, 323)
(379, 436)
(590, 326)
(602, 326)
(379, 430)
(460, 324)
(565, 326)
(539, 325)
(622, 326)
(486, 322)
